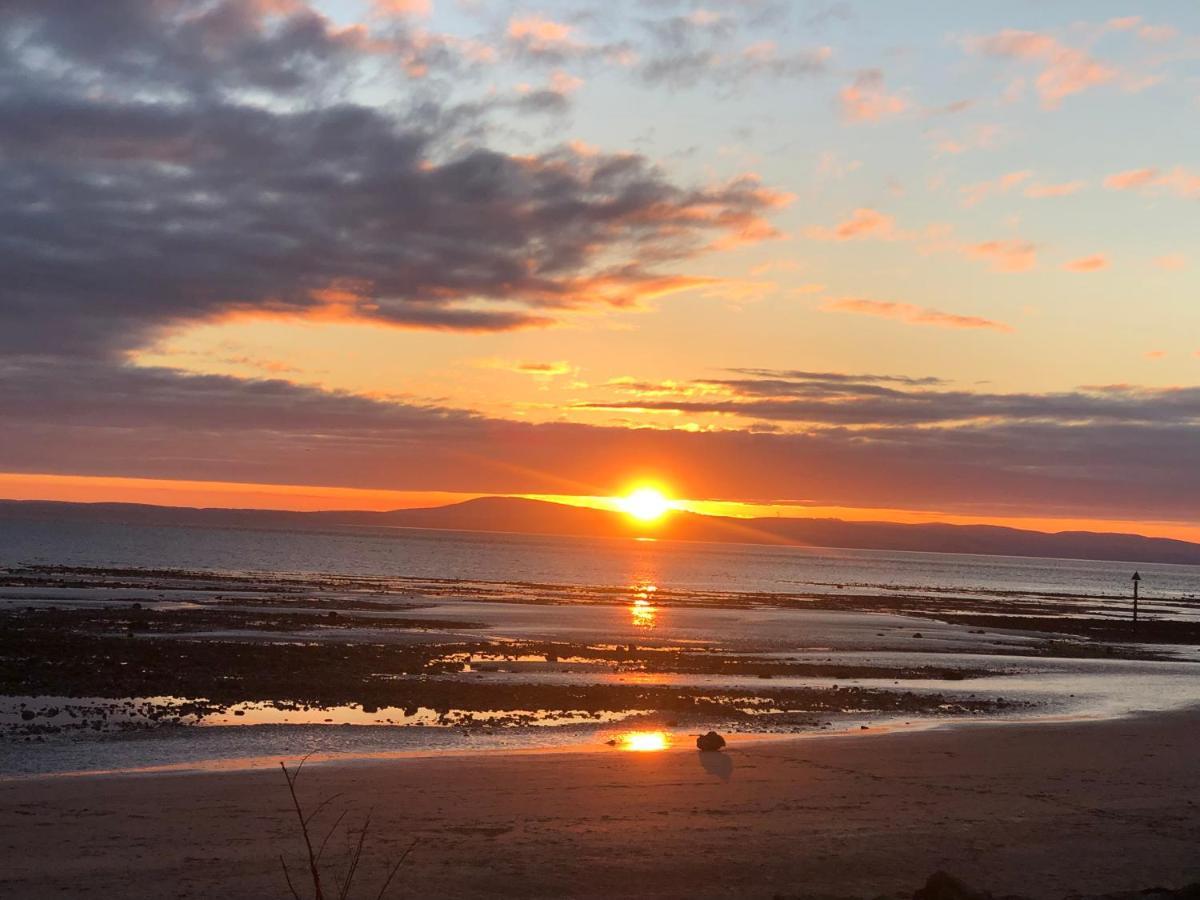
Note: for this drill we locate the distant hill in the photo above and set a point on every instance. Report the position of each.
(539, 517)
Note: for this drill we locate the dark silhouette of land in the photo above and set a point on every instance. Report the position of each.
(505, 514)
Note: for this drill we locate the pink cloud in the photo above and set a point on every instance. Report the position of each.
(911, 314)
(1065, 70)
(1180, 181)
(1004, 255)
(866, 100)
(1062, 189)
(861, 224)
(1093, 263)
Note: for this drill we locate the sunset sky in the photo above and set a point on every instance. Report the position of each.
(903, 260)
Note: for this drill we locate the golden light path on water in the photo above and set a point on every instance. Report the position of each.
(643, 613)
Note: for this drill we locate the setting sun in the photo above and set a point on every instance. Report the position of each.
(646, 504)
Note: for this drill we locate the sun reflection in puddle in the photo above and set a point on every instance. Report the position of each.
(645, 741)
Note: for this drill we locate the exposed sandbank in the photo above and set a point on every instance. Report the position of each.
(1040, 810)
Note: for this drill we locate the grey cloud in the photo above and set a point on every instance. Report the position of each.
(95, 419)
(142, 190)
(832, 399)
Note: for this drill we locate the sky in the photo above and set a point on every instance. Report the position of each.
(917, 261)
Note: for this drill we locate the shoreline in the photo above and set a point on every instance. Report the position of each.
(1035, 809)
(680, 743)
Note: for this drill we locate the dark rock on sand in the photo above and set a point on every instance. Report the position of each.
(944, 886)
(711, 742)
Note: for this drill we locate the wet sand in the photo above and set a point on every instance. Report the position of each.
(1041, 810)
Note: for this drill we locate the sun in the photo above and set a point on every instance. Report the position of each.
(646, 504)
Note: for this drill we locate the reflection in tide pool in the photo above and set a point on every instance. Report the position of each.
(645, 741)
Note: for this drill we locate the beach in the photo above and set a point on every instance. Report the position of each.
(1041, 810)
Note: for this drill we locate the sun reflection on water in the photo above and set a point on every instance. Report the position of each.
(642, 613)
(645, 741)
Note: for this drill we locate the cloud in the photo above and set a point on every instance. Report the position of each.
(863, 223)
(538, 370)
(836, 400)
(878, 441)
(979, 137)
(1179, 181)
(1174, 262)
(1064, 70)
(973, 194)
(1062, 189)
(704, 47)
(911, 314)
(1004, 255)
(537, 37)
(181, 195)
(867, 100)
(1093, 263)
(403, 7)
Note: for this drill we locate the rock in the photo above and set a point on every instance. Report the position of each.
(944, 886)
(710, 743)
(918, 634)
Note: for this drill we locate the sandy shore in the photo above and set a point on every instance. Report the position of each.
(1041, 810)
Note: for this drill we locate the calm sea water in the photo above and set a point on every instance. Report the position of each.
(574, 561)
(1072, 687)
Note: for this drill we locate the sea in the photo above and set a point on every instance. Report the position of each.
(737, 597)
(543, 559)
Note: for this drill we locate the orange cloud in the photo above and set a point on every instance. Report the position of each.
(866, 100)
(1156, 354)
(1004, 256)
(1093, 263)
(1065, 70)
(403, 7)
(1179, 181)
(1172, 263)
(911, 314)
(863, 222)
(539, 32)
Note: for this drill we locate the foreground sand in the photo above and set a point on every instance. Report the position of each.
(1041, 810)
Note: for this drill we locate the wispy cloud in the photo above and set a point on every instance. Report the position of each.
(863, 223)
(1061, 189)
(866, 99)
(1064, 70)
(1172, 262)
(1004, 255)
(1093, 263)
(911, 314)
(973, 194)
(1179, 181)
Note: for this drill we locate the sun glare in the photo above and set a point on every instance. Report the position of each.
(646, 504)
(645, 741)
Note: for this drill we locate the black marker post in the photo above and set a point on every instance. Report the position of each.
(1136, 580)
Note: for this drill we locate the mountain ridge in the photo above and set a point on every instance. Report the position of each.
(522, 516)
